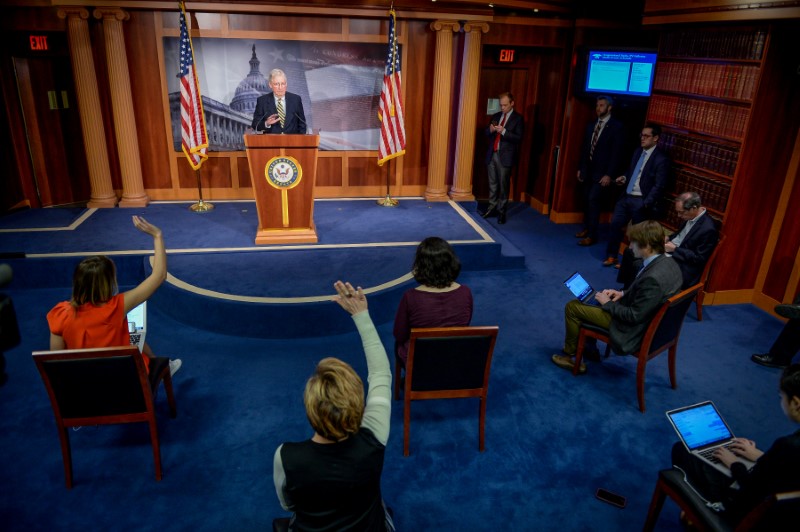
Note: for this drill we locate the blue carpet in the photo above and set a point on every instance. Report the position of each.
(551, 439)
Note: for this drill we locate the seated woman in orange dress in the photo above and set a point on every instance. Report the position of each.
(96, 316)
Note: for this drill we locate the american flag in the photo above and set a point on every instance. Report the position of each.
(193, 122)
(390, 110)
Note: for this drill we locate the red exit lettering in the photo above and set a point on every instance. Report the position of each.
(506, 56)
(38, 42)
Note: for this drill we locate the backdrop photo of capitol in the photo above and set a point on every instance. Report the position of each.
(340, 84)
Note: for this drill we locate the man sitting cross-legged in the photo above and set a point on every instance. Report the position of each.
(626, 314)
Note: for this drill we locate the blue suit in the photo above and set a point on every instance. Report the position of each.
(295, 116)
(499, 163)
(653, 184)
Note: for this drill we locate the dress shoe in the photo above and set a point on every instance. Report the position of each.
(788, 311)
(588, 241)
(616, 266)
(501, 218)
(582, 234)
(768, 361)
(491, 211)
(567, 362)
(610, 261)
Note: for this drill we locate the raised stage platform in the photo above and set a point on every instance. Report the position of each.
(221, 281)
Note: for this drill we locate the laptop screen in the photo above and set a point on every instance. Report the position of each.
(136, 317)
(578, 286)
(700, 425)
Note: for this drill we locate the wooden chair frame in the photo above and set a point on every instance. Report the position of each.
(702, 518)
(701, 294)
(409, 394)
(647, 350)
(148, 385)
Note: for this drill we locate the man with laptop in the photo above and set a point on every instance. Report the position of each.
(757, 474)
(626, 314)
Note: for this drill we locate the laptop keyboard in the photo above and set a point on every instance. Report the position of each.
(135, 337)
(708, 454)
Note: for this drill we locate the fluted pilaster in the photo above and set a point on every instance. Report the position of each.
(440, 110)
(468, 101)
(88, 95)
(133, 194)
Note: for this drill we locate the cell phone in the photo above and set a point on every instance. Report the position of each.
(494, 122)
(611, 498)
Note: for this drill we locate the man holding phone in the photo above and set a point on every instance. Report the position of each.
(505, 134)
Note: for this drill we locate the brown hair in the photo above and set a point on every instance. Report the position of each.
(94, 281)
(648, 233)
(334, 399)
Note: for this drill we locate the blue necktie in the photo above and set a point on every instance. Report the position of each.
(636, 171)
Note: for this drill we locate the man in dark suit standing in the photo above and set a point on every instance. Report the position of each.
(647, 179)
(505, 133)
(691, 245)
(626, 313)
(601, 157)
(279, 111)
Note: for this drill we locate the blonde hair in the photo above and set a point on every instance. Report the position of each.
(334, 399)
(94, 281)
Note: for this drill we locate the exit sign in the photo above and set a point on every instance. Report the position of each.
(506, 55)
(38, 43)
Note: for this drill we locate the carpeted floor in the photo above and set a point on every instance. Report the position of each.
(551, 439)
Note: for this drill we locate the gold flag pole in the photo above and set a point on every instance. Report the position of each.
(388, 201)
(201, 206)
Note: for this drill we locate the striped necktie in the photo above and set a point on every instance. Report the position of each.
(595, 136)
(281, 112)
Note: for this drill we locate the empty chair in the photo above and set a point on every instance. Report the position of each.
(662, 334)
(103, 386)
(446, 363)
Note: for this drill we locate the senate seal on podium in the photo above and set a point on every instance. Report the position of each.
(283, 172)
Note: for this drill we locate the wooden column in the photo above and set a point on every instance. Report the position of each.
(440, 110)
(133, 194)
(465, 140)
(94, 135)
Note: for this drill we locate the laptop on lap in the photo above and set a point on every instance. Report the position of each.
(137, 325)
(579, 287)
(702, 430)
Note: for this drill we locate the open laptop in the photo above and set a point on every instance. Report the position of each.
(702, 430)
(579, 287)
(137, 325)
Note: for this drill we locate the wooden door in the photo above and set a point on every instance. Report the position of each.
(53, 129)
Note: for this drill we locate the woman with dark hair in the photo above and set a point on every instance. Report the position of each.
(96, 316)
(438, 301)
(333, 480)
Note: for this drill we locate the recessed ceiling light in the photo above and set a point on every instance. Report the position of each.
(535, 10)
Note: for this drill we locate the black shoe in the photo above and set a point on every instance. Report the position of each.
(491, 211)
(501, 218)
(768, 361)
(788, 311)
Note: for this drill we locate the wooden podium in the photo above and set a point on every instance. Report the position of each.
(283, 170)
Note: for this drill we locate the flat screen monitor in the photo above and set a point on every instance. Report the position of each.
(627, 73)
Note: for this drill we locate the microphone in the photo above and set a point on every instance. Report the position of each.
(5, 274)
(302, 122)
(260, 122)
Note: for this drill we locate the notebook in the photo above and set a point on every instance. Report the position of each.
(579, 287)
(137, 325)
(702, 430)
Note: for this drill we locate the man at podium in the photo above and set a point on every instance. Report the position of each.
(279, 111)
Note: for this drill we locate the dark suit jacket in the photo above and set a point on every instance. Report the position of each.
(632, 313)
(509, 142)
(695, 249)
(295, 116)
(607, 158)
(655, 178)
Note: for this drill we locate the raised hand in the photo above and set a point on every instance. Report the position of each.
(351, 299)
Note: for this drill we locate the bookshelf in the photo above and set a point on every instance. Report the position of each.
(703, 93)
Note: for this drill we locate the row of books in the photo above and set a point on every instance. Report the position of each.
(706, 154)
(714, 192)
(721, 81)
(742, 44)
(711, 118)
